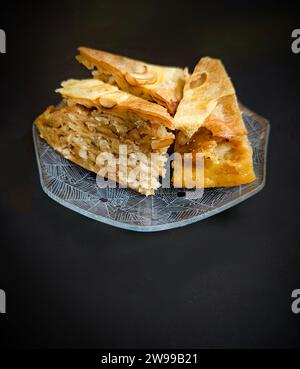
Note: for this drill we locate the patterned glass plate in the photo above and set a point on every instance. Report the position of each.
(76, 188)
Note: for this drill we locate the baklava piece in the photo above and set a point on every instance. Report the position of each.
(101, 128)
(209, 123)
(162, 85)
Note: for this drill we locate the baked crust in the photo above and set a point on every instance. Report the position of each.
(103, 96)
(159, 84)
(210, 123)
(227, 162)
(209, 90)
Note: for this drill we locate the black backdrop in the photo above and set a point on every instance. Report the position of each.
(223, 282)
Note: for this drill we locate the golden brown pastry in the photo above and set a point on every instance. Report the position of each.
(97, 118)
(209, 122)
(162, 85)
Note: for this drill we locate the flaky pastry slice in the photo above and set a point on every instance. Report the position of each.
(110, 132)
(202, 91)
(210, 123)
(162, 85)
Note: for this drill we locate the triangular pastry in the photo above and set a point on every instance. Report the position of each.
(159, 84)
(208, 83)
(209, 122)
(97, 118)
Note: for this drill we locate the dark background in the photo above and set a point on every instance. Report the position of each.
(223, 282)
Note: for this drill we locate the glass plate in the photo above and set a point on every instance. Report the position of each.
(76, 188)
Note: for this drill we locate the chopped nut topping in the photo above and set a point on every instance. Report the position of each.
(142, 78)
(110, 99)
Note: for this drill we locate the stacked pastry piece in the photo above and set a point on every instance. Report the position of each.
(113, 124)
(120, 123)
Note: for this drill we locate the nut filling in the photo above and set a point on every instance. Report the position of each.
(80, 134)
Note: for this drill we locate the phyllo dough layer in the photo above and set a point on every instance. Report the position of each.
(162, 85)
(210, 123)
(97, 118)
